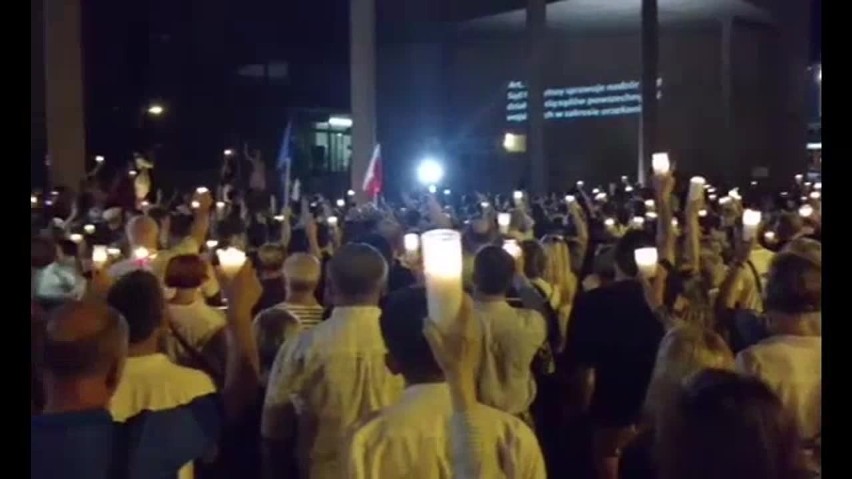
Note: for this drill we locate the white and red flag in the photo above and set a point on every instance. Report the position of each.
(373, 179)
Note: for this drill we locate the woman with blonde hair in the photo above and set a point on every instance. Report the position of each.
(684, 351)
(559, 275)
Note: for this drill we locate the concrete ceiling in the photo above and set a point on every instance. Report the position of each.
(576, 15)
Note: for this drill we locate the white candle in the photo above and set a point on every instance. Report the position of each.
(600, 197)
(646, 261)
(132, 173)
(512, 247)
(114, 252)
(350, 193)
(798, 178)
(195, 205)
(638, 222)
(411, 242)
(341, 202)
(442, 269)
(649, 204)
(278, 218)
(220, 205)
(433, 189)
(818, 186)
(89, 229)
(484, 204)
(503, 220)
(231, 260)
(751, 220)
(609, 222)
(447, 192)
(702, 213)
(202, 190)
(580, 184)
(660, 163)
(570, 199)
(211, 244)
(332, 221)
(805, 211)
(769, 236)
(815, 195)
(628, 189)
(100, 255)
(651, 215)
(696, 188)
(518, 196)
(99, 159)
(33, 200)
(76, 237)
(712, 197)
(141, 253)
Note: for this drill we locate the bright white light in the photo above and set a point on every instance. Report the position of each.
(156, 109)
(341, 203)
(350, 193)
(99, 159)
(433, 189)
(447, 192)
(430, 172)
(340, 122)
(228, 152)
(814, 146)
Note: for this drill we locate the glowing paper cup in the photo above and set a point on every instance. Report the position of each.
(114, 252)
(638, 222)
(580, 184)
(503, 220)
(341, 203)
(211, 244)
(76, 237)
(696, 188)
(100, 255)
(442, 269)
(569, 199)
(511, 246)
(141, 253)
(660, 163)
(411, 242)
(231, 260)
(89, 229)
(332, 221)
(646, 261)
(649, 204)
(99, 159)
(202, 190)
(751, 220)
(805, 211)
(195, 205)
(769, 236)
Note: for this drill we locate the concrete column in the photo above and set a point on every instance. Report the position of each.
(650, 73)
(537, 37)
(362, 65)
(726, 84)
(66, 136)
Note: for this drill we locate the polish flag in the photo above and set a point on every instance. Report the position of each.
(373, 179)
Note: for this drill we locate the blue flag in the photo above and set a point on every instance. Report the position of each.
(282, 164)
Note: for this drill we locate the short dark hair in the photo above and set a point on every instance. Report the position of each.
(535, 260)
(625, 249)
(78, 350)
(401, 323)
(271, 257)
(380, 243)
(186, 271)
(357, 270)
(493, 270)
(138, 296)
(794, 285)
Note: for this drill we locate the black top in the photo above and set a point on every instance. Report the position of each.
(273, 294)
(614, 332)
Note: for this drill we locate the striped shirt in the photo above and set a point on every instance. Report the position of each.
(308, 315)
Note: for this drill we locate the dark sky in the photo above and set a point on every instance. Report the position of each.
(816, 31)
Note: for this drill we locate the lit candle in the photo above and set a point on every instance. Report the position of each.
(624, 179)
(675, 222)
(518, 196)
(609, 223)
(580, 184)
(769, 236)
(724, 200)
(195, 205)
(600, 196)
(815, 195)
(570, 199)
(798, 178)
(628, 189)
(805, 211)
(220, 205)
(132, 173)
(202, 190)
(100, 255)
(99, 159)
(649, 204)
(696, 188)
(332, 221)
(512, 247)
(818, 186)
(503, 220)
(433, 189)
(702, 213)
(660, 163)
(751, 220)
(278, 218)
(211, 244)
(638, 222)
(735, 194)
(141, 253)
(646, 261)
(442, 269)
(350, 193)
(447, 192)
(484, 204)
(114, 252)
(33, 200)
(411, 243)
(341, 202)
(89, 229)
(144, 204)
(76, 237)
(712, 197)
(231, 260)
(651, 215)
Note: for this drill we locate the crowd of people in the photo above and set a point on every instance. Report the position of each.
(667, 331)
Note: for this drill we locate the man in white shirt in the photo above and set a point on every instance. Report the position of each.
(415, 437)
(790, 361)
(511, 337)
(332, 376)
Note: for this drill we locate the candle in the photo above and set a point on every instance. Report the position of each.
(649, 204)
(624, 179)
(805, 211)
(144, 204)
(76, 237)
(646, 261)
(815, 195)
(628, 189)
(696, 188)
(580, 184)
(503, 220)
(195, 205)
(570, 199)
(341, 202)
(651, 215)
(278, 218)
(675, 222)
(442, 269)
(702, 213)
(751, 219)
(447, 192)
(518, 195)
(202, 190)
(99, 159)
(100, 255)
(769, 236)
(512, 247)
(231, 260)
(332, 221)
(114, 252)
(141, 253)
(712, 197)
(798, 178)
(411, 242)
(211, 244)
(818, 186)
(132, 173)
(609, 222)
(724, 200)
(638, 222)
(89, 229)
(596, 191)
(735, 194)
(350, 193)
(220, 205)
(433, 189)
(484, 204)
(660, 163)
(33, 200)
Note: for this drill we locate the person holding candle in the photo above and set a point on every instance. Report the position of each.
(332, 376)
(423, 420)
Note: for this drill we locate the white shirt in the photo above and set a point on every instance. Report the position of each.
(792, 367)
(415, 439)
(153, 383)
(511, 338)
(196, 322)
(334, 375)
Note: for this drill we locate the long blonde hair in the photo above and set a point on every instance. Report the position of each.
(683, 351)
(557, 269)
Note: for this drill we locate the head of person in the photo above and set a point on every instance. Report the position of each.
(789, 227)
(493, 271)
(557, 264)
(270, 330)
(401, 323)
(138, 296)
(380, 243)
(186, 272)
(683, 352)
(357, 275)
(625, 248)
(302, 273)
(42, 252)
(142, 231)
(270, 259)
(232, 232)
(535, 260)
(603, 264)
(82, 355)
(725, 425)
(114, 218)
(793, 292)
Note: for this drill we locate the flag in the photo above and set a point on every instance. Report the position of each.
(373, 179)
(282, 164)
